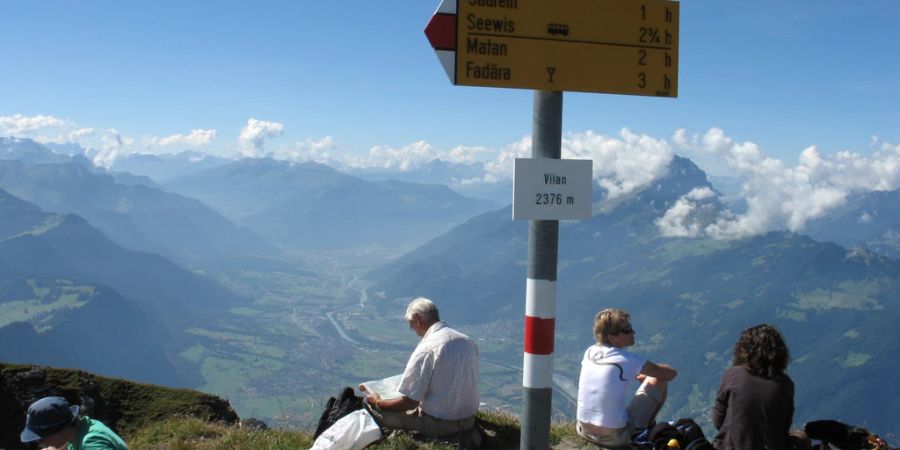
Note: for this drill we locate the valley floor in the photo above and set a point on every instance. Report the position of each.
(305, 335)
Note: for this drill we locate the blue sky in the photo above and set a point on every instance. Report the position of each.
(782, 74)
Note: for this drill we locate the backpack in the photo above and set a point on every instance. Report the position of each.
(688, 434)
(336, 408)
(847, 437)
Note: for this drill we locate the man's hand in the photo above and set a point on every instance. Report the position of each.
(403, 403)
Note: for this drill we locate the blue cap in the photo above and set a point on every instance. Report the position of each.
(46, 417)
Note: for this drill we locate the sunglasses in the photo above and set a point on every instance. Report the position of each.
(626, 330)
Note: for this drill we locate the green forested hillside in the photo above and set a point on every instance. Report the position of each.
(70, 296)
(58, 322)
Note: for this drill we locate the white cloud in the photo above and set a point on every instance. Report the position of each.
(465, 154)
(406, 158)
(674, 223)
(46, 129)
(681, 220)
(196, 138)
(78, 134)
(251, 141)
(412, 156)
(112, 146)
(503, 167)
(779, 196)
(621, 165)
(42, 128)
(680, 138)
(319, 150)
(103, 146)
(27, 126)
(403, 159)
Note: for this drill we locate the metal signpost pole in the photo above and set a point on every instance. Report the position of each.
(540, 291)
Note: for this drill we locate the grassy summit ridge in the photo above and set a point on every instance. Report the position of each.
(152, 417)
(156, 417)
(186, 433)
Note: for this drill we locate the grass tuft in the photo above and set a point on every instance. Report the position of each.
(501, 431)
(189, 433)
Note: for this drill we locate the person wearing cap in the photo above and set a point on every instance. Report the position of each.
(439, 386)
(607, 415)
(55, 425)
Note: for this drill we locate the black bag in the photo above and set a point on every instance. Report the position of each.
(688, 434)
(335, 408)
(847, 437)
(660, 435)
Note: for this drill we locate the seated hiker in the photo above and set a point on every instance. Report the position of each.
(606, 414)
(439, 386)
(53, 424)
(755, 404)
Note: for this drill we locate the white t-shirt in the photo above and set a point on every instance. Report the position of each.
(605, 374)
(442, 373)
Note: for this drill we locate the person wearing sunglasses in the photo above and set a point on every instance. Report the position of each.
(607, 415)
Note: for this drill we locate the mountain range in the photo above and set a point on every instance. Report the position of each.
(133, 213)
(310, 205)
(689, 298)
(296, 205)
(462, 177)
(870, 220)
(163, 168)
(28, 151)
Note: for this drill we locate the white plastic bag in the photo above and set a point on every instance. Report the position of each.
(352, 432)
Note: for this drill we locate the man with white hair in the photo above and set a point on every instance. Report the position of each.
(439, 386)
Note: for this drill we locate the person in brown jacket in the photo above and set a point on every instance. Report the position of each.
(754, 408)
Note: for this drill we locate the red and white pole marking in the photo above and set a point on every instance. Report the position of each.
(540, 325)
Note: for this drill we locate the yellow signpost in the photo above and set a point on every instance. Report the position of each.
(611, 46)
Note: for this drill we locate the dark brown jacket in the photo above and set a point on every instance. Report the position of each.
(752, 412)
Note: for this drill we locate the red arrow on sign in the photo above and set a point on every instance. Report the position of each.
(441, 34)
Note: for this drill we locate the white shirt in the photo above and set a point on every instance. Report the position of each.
(602, 386)
(442, 374)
